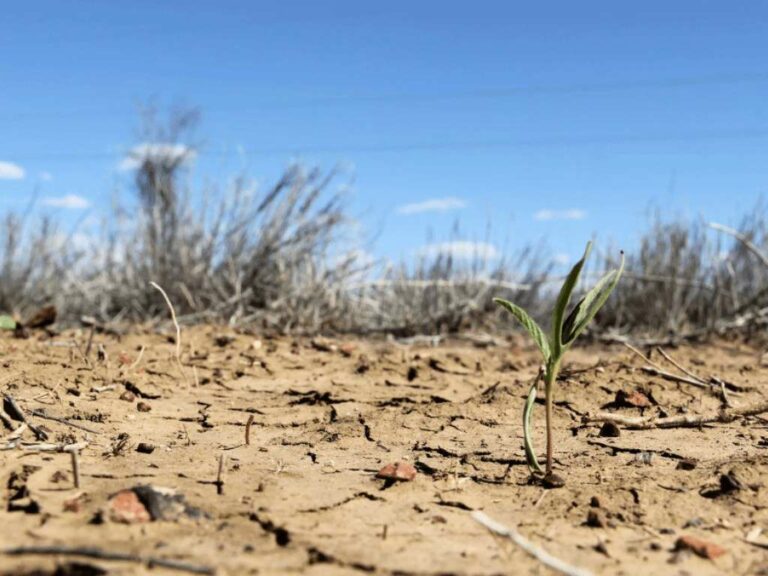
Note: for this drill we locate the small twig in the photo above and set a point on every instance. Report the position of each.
(90, 341)
(220, 475)
(748, 244)
(641, 355)
(74, 453)
(248, 430)
(653, 371)
(136, 362)
(14, 410)
(97, 554)
(674, 363)
(683, 421)
(539, 553)
(176, 325)
(48, 447)
(41, 414)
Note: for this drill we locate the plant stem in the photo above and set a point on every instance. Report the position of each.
(552, 371)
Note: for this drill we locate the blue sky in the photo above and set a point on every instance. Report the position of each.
(548, 120)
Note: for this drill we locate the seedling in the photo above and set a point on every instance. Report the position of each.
(565, 329)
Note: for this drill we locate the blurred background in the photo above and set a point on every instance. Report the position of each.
(338, 165)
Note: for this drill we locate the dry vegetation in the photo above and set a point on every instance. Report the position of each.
(283, 259)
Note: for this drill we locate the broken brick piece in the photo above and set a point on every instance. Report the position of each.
(126, 508)
(401, 471)
(700, 547)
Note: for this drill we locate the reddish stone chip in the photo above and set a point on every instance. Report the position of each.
(347, 349)
(700, 547)
(401, 471)
(143, 407)
(636, 399)
(126, 508)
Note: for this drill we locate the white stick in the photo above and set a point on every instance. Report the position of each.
(176, 325)
(539, 553)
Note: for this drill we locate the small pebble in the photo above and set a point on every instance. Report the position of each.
(610, 430)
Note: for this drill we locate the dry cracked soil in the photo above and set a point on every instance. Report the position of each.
(327, 414)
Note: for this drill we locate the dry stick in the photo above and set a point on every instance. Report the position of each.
(674, 363)
(641, 355)
(220, 475)
(248, 430)
(748, 244)
(74, 453)
(97, 554)
(136, 362)
(176, 325)
(40, 414)
(11, 401)
(90, 341)
(539, 553)
(684, 421)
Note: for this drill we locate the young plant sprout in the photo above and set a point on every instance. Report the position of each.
(554, 346)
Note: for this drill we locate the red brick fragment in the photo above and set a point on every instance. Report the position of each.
(700, 547)
(401, 471)
(126, 508)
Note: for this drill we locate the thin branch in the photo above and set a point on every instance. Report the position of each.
(538, 553)
(97, 554)
(748, 244)
(176, 325)
(683, 421)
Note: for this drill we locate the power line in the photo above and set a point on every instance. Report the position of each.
(288, 103)
(544, 142)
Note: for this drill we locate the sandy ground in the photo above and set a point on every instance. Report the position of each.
(302, 498)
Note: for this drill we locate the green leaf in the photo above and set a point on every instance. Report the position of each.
(590, 304)
(562, 301)
(530, 453)
(538, 335)
(7, 323)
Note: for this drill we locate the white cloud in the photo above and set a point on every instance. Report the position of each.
(561, 258)
(156, 151)
(572, 214)
(11, 171)
(433, 205)
(45, 176)
(69, 201)
(461, 250)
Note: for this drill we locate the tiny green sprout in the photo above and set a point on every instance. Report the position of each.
(565, 329)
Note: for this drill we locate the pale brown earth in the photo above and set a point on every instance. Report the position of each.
(302, 498)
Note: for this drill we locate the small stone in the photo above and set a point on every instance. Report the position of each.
(594, 502)
(400, 471)
(128, 396)
(347, 349)
(730, 483)
(552, 480)
(700, 547)
(143, 407)
(687, 464)
(145, 448)
(223, 340)
(126, 508)
(596, 519)
(635, 399)
(694, 523)
(610, 430)
(256, 344)
(323, 345)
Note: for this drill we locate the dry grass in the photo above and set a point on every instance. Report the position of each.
(283, 259)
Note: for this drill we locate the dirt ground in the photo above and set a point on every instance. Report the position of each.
(303, 498)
